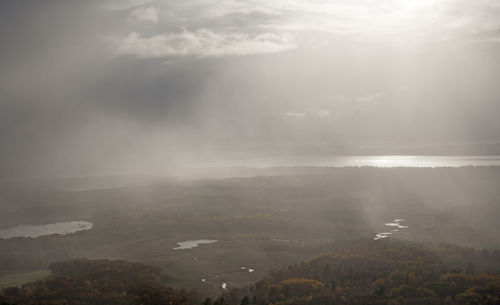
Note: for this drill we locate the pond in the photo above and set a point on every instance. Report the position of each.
(189, 244)
(34, 231)
(395, 224)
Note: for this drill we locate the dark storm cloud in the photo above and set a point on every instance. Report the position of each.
(90, 87)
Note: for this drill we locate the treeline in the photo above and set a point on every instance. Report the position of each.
(89, 282)
(367, 272)
(385, 272)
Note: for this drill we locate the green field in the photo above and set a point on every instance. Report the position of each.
(18, 279)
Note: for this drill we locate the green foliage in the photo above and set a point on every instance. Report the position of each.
(388, 272)
(89, 282)
(376, 273)
(245, 301)
(18, 279)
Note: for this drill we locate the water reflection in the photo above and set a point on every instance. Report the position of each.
(395, 223)
(189, 244)
(375, 161)
(34, 231)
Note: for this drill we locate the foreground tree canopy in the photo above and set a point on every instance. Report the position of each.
(366, 272)
(83, 281)
(383, 273)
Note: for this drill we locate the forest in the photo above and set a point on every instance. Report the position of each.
(324, 217)
(363, 272)
(83, 281)
(384, 272)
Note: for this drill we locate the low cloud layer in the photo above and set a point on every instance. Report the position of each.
(203, 43)
(145, 14)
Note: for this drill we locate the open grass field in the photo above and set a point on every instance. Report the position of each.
(18, 279)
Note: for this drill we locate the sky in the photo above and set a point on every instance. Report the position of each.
(145, 87)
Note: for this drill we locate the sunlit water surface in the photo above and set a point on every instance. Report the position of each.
(33, 231)
(395, 224)
(347, 161)
(189, 244)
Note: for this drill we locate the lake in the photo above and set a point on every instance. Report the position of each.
(357, 161)
(33, 231)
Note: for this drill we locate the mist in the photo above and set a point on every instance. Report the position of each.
(249, 152)
(147, 87)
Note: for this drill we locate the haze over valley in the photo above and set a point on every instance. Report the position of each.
(249, 152)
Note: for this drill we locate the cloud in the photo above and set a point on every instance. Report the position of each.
(70, 105)
(203, 43)
(386, 18)
(380, 20)
(296, 114)
(370, 98)
(124, 4)
(319, 113)
(145, 14)
(237, 28)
